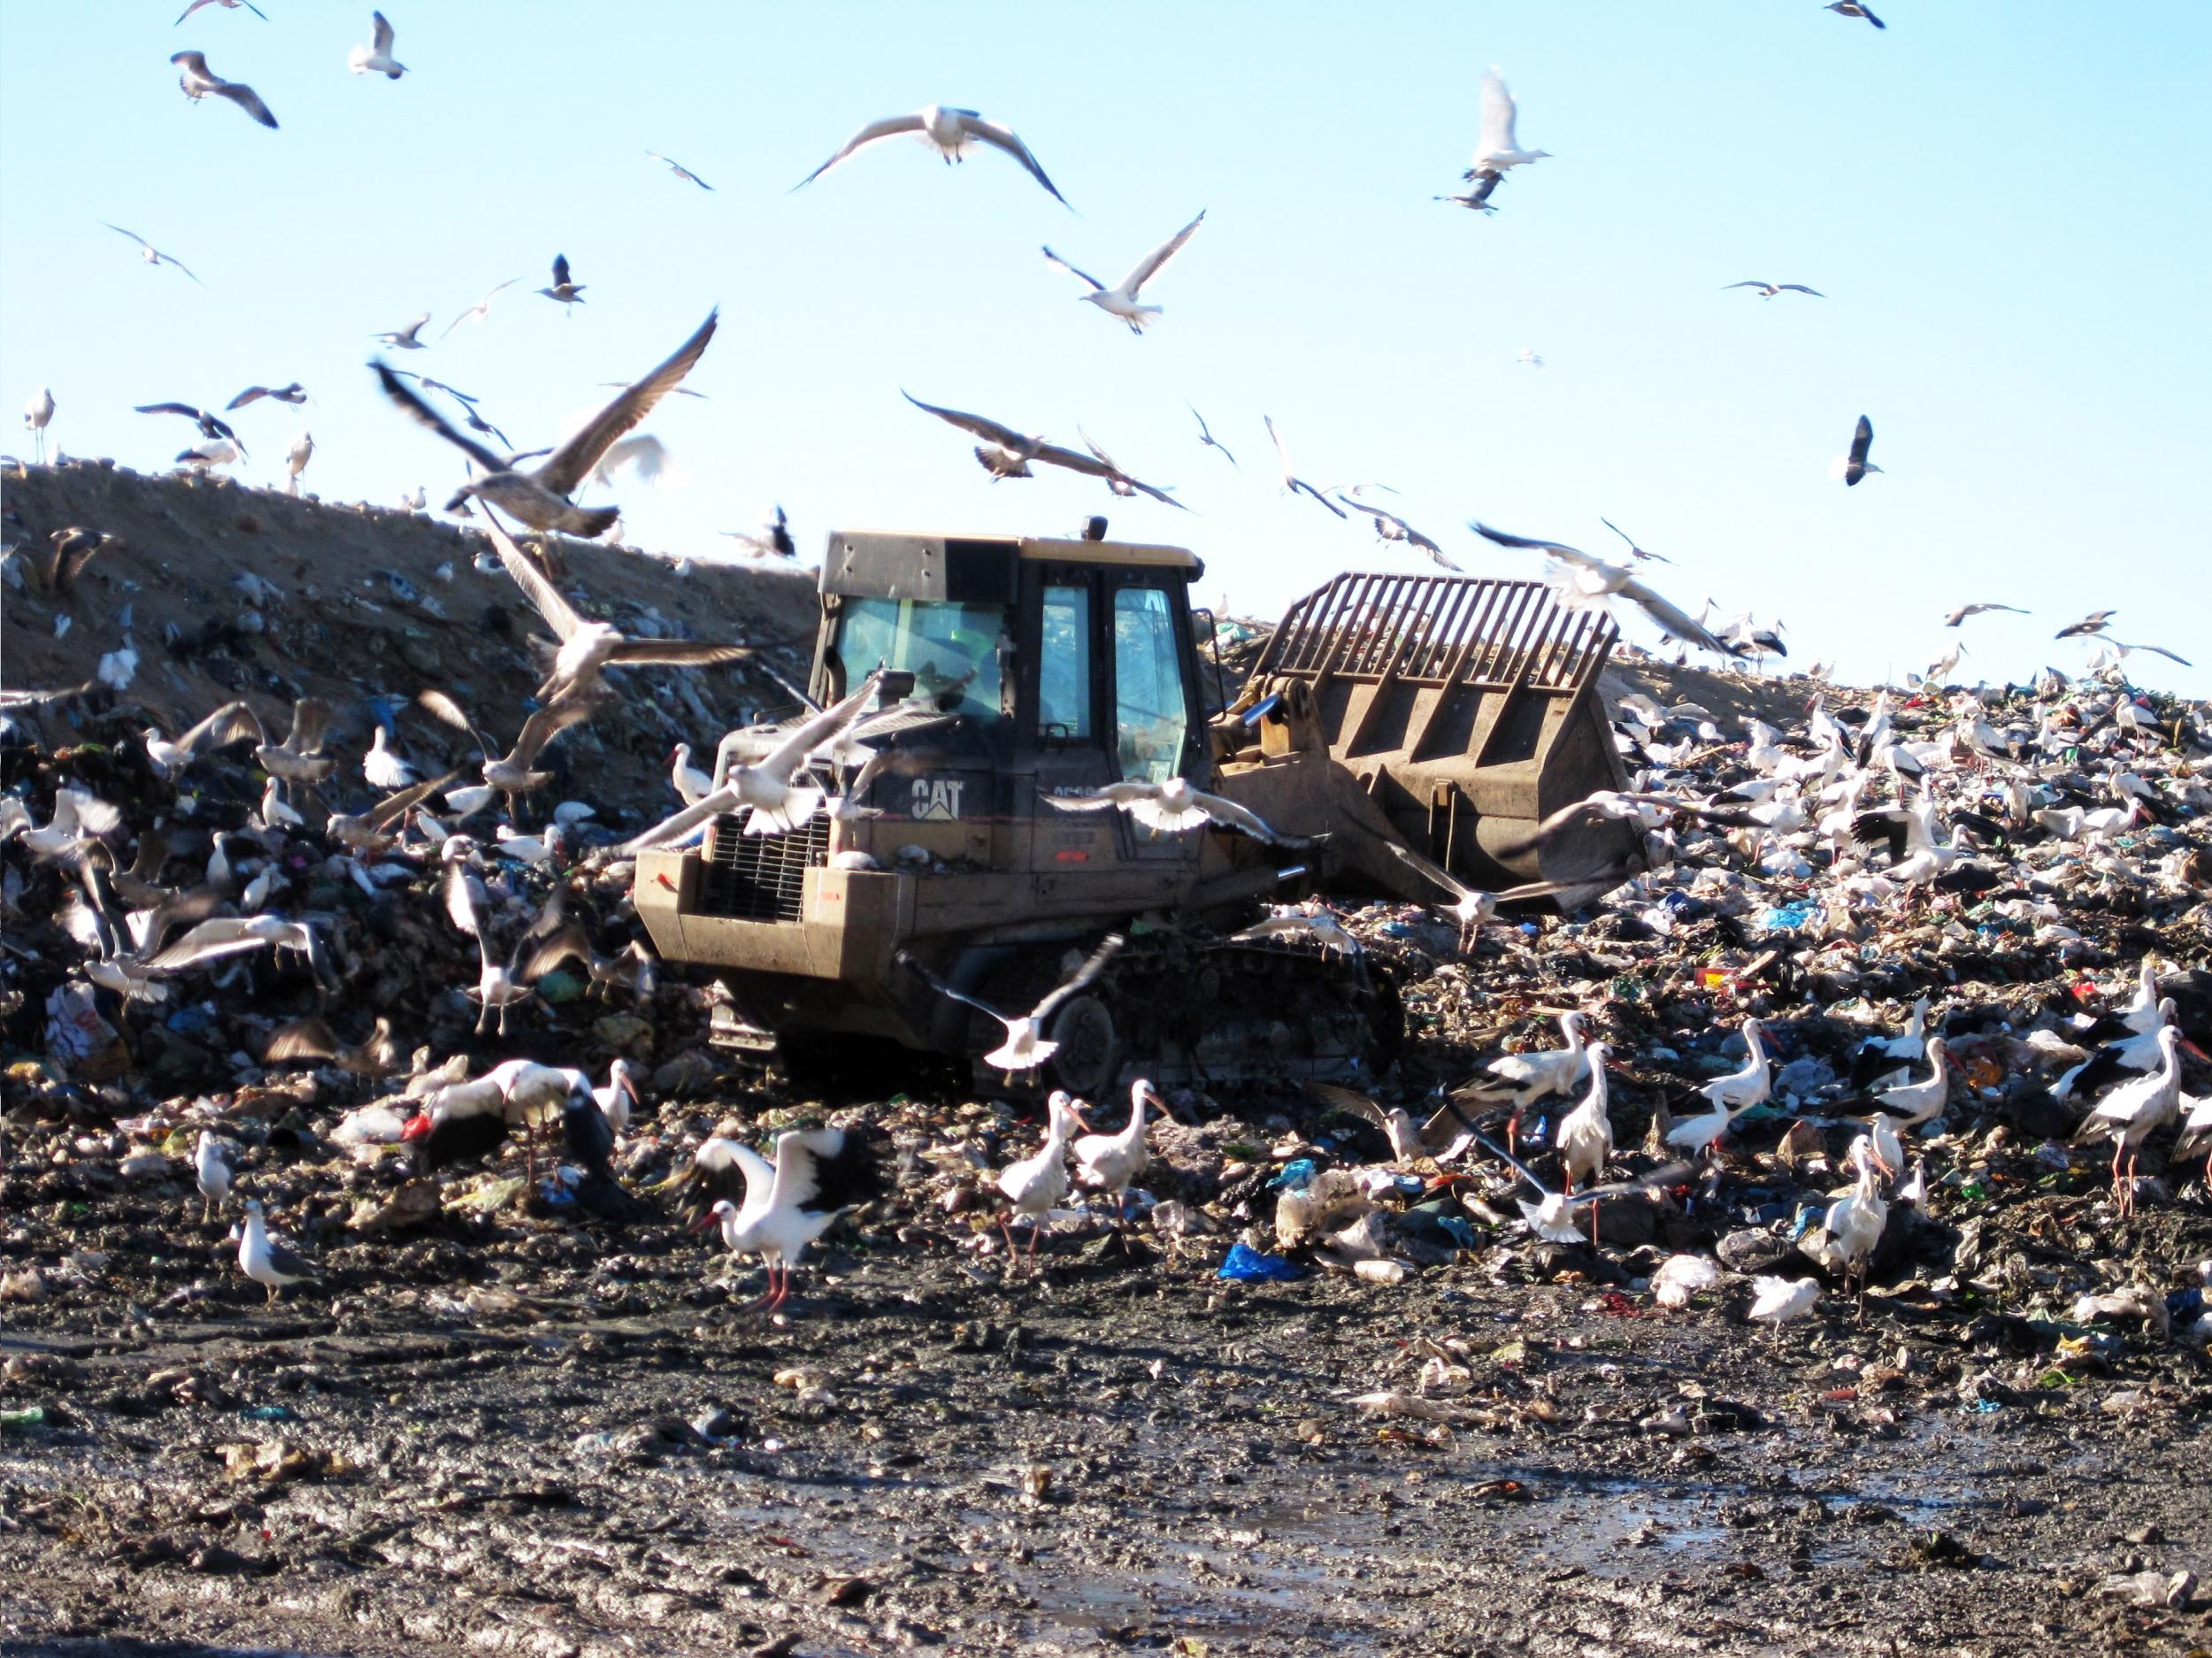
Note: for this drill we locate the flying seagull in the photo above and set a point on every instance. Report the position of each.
(1965, 610)
(481, 308)
(588, 647)
(774, 537)
(469, 411)
(227, 5)
(199, 80)
(1472, 908)
(679, 170)
(376, 59)
(951, 132)
(1635, 551)
(1390, 527)
(1767, 290)
(151, 254)
(1499, 149)
(1854, 9)
(769, 785)
(455, 392)
(404, 339)
(1206, 436)
(1119, 481)
(1003, 453)
(566, 292)
(1291, 482)
(538, 498)
(294, 392)
(1121, 300)
(211, 426)
(2121, 648)
(2095, 622)
(1024, 1047)
(1592, 581)
(1479, 193)
(1855, 465)
(1527, 355)
(1173, 807)
(1006, 453)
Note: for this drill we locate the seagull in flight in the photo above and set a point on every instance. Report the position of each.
(294, 392)
(1528, 356)
(1499, 149)
(404, 339)
(566, 292)
(376, 59)
(1854, 9)
(588, 647)
(1965, 610)
(1855, 465)
(951, 132)
(2095, 622)
(1024, 1047)
(769, 789)
(1121, 300)
(538, 498)
(679, 170)
(1003, 453)
(1592, 580)
(1006, 453)
(470, 414)
(481, 308)
(1173, 807)
(1206, 436)
(227, 5)
(1119, 481)
(1634, 551)
(1291, 482)
(774, 537)
(2120, 648)
(199, 80)
(1477, 196)
(1390, 527)
(151, 254)
(1767, 290)
(211, 426)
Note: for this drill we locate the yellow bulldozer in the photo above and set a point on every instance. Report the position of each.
(1439, 716)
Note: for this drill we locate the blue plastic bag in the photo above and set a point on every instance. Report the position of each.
(1248, 1264)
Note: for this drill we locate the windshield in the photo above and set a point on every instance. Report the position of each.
(955, 652)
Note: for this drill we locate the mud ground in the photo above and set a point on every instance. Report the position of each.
(615, 1457)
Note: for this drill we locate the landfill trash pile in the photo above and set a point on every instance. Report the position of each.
(1818, 1211)
(207, 589)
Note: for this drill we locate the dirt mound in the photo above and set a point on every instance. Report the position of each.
(226, 591)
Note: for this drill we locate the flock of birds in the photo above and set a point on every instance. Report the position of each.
(2048, 794)
(541, 496)
(2038, 786)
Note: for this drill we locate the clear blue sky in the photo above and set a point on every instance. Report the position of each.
(2005, 203)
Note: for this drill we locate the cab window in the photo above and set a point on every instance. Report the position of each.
(954, 651)
(1150, 713)
(1063, 665)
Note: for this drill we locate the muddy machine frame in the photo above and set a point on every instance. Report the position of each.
(1444, 713)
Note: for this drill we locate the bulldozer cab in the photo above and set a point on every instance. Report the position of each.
(1057, 665)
